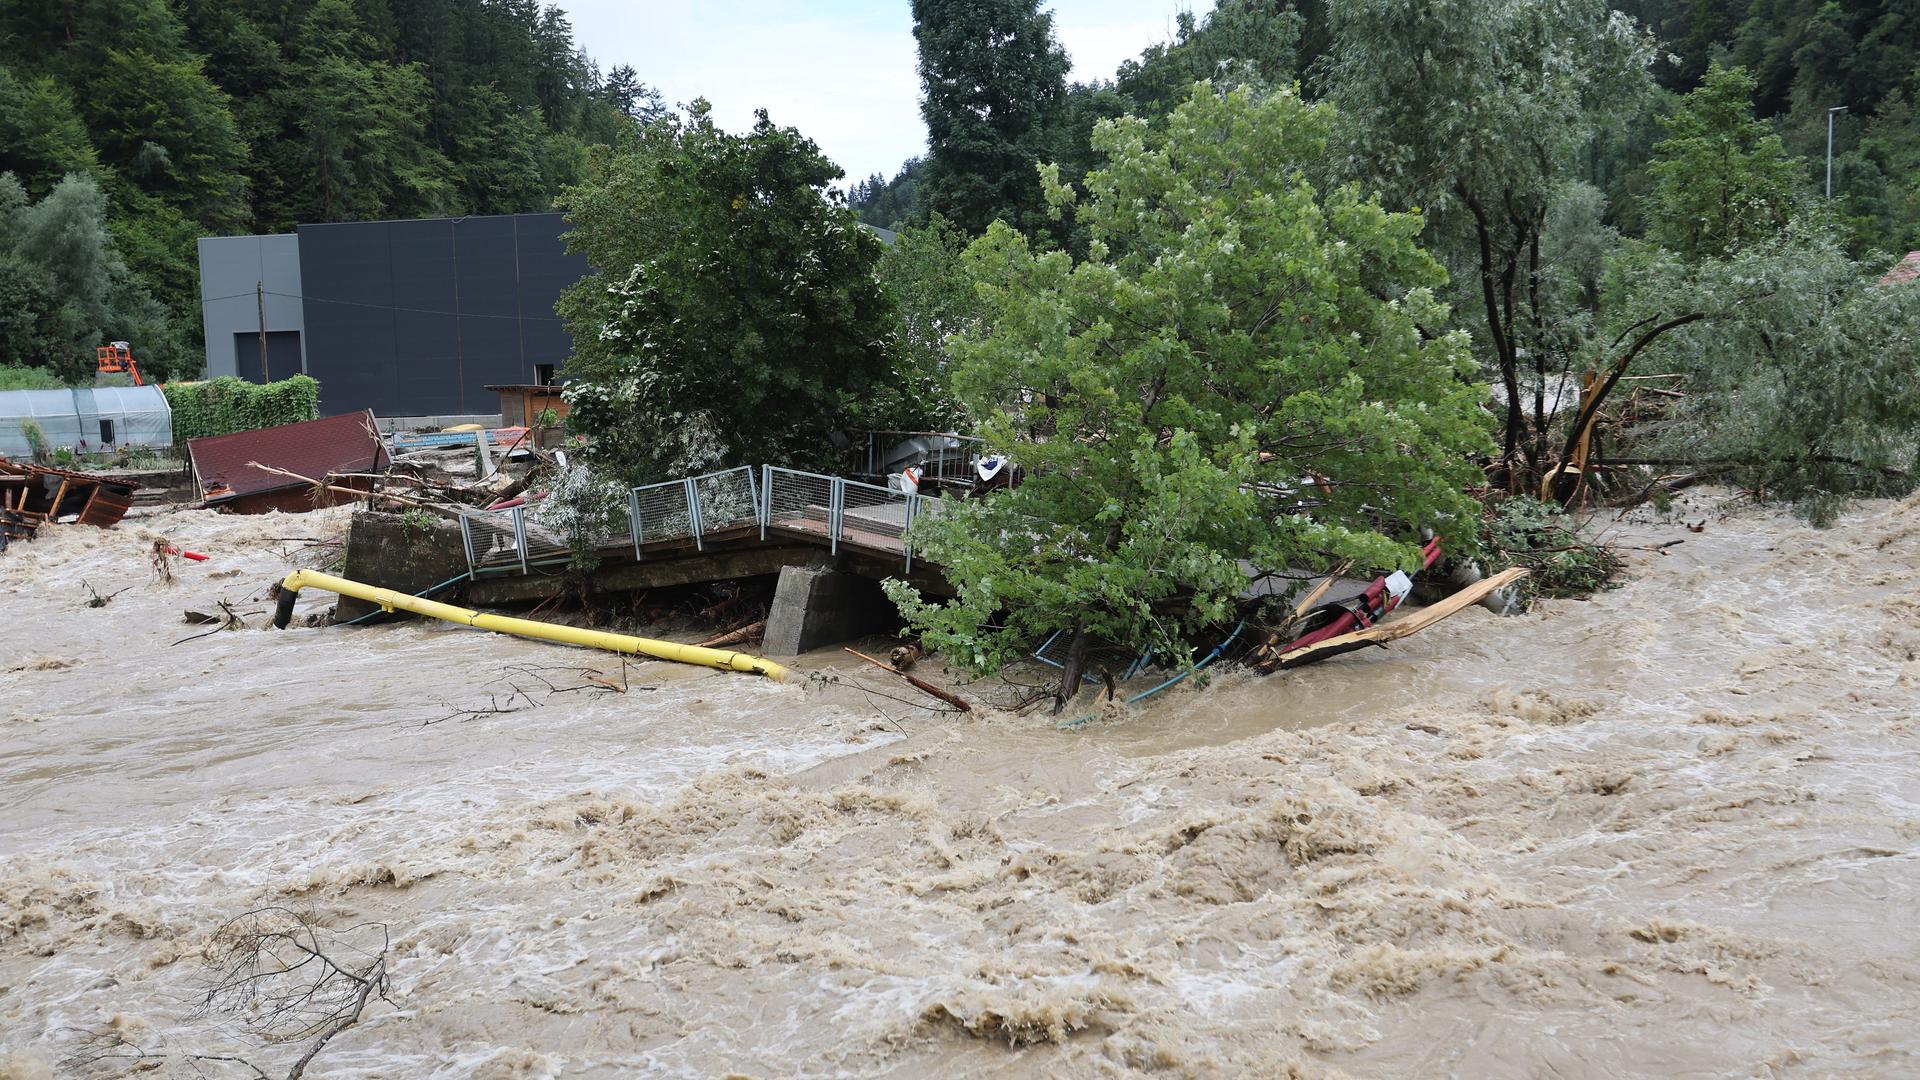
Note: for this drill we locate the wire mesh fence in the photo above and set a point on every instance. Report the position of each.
(693, 508)
(498, 541)
(727, 499)
(661, 512)
(698, 507)
(798, 501)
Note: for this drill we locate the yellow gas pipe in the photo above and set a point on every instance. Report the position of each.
(388, 600)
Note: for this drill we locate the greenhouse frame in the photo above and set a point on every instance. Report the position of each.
(85, 419)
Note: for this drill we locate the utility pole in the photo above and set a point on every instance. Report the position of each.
(260, 303)
(1830, 112)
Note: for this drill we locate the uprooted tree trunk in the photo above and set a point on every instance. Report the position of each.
(1590, 407)
(1075, 669)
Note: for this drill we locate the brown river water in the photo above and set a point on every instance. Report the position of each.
(1672, 831)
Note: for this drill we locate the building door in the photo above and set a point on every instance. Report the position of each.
(283, 354)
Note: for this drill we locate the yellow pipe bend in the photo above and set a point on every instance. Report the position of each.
(387, 599)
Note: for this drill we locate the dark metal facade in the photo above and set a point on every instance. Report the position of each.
(416, 318)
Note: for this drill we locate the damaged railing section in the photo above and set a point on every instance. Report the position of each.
(839, 510)
(501, 541)
(700, 507)
(694, 508)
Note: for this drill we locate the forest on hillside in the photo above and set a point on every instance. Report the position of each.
(131, 128)
(1806, 56)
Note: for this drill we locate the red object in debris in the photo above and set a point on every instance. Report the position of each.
(1367, 608)
(508, 504)
(194, 555)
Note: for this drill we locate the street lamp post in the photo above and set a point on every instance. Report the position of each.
(1830, 112)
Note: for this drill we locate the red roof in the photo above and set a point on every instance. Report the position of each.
(1908, 269)
(313, 448)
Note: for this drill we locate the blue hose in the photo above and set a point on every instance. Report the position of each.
(1145, 694)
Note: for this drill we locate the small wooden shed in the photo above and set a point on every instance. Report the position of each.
(522, 404)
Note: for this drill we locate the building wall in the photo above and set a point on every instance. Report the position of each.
(230, 268)
(415, 318)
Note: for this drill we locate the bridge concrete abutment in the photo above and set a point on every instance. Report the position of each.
(818, 605)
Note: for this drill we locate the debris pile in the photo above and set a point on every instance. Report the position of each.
(32, 496)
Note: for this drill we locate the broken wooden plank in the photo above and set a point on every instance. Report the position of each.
(1381, 633)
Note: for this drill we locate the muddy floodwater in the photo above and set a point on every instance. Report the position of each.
(1671, 831)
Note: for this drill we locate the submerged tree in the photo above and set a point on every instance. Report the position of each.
(1799, 366)
(1245, 366)
(733, 316)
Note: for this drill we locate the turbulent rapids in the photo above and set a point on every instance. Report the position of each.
(1671, 830)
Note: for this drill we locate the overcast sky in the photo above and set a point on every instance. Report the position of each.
(842, 71)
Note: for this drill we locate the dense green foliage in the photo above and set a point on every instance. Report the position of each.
(1476, 112)
(923, 275)
(227, 404)
(199, 117)
(1800, 377)
(64, 289)
(734, 316)
(1559, 551)
(1239, 369)
(1239, 42)
(1721, 179)
(991, 78)
(28, 378)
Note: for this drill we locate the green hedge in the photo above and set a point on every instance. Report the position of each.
(228, 404)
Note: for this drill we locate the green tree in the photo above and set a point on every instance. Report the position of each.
(358, 125)
(56, 275)
(925, 277)
(1244, 367)
(992, 79)
(41, 136)
(1476, 111)
(1251, 42)
(1799, 366)
(166, 128)
(734, 315)
(1721, 179)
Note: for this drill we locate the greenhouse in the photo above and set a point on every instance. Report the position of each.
(84, 420)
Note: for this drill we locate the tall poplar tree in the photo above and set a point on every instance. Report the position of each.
(992, 80)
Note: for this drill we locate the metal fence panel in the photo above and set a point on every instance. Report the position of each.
(504, 540)
(660, 512)
(727, 499)
(799, 501)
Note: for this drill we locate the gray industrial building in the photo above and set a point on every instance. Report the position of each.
(407, 318)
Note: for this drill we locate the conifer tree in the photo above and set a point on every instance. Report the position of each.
(992, 79)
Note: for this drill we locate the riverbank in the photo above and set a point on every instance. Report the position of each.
(1673, 829)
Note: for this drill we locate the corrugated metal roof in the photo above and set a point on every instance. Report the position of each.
(337, 444)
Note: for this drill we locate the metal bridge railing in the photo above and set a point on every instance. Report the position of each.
(499, 541)
(693, 508)
(838, 509)
(834, 509)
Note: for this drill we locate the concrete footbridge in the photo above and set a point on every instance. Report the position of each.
(830, 539)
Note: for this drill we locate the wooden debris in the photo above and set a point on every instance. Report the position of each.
(33, 495)
(357, 493)
(1300, 608)
(737, 635)
(1380, 633)
(921, 685)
